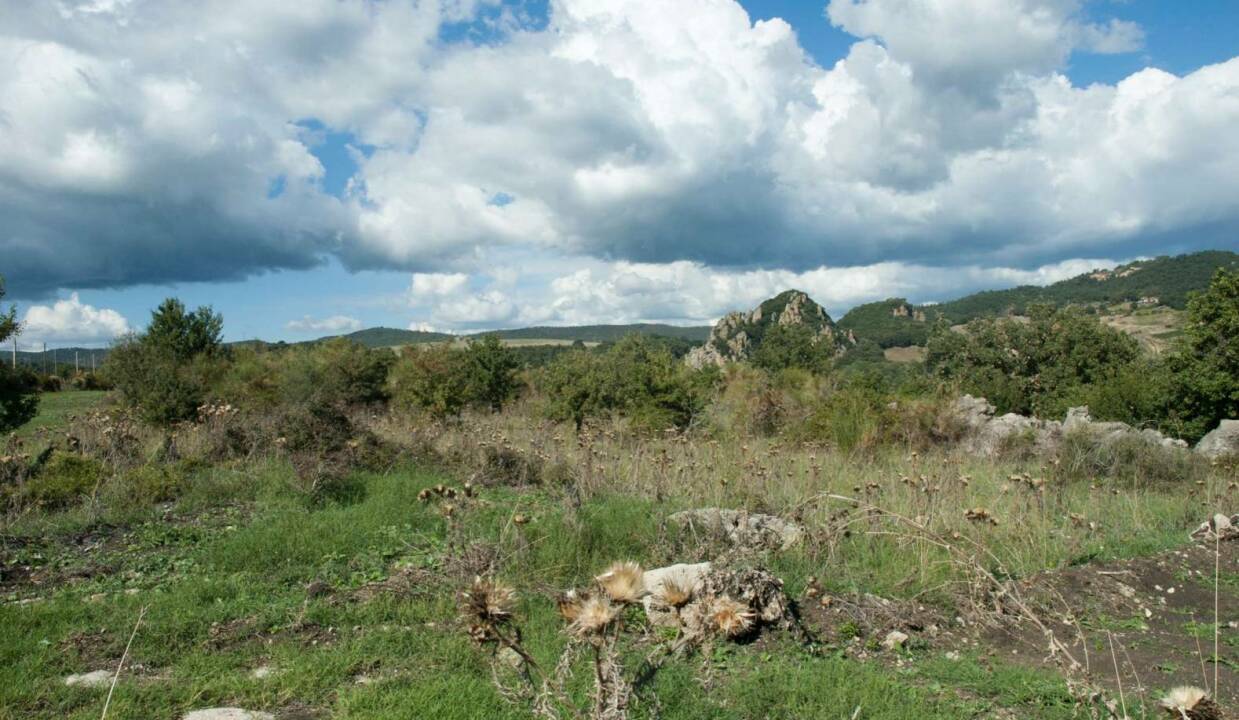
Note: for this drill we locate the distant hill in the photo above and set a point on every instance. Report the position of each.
(391, 337)
(606, 333)
(62, 357)
(1162, 281)
(889, 323)
(738, 335)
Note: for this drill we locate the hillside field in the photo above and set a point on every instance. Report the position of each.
(243, 590)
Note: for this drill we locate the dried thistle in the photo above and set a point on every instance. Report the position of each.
(1190, 703)
(623, 582)
(729, 617)
(488, 602)
(569, 605)
(673, 594)
(594, 614)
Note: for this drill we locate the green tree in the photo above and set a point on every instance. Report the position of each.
(185, 334)
(19, 400)
(1039, 364)
(492, 368)
(1205, 364)
(166, 371)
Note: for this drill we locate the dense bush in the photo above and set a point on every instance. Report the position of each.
(491, 369)
(443, 379)
(431, 379)
(1205, 363)
(1037, 365)
(162, 388)
(166, 371)
(636, 378)
(63, 480)
(794, 346)
(338, 373)
(19, 400)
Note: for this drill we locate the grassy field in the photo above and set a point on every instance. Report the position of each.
(246, 590)
(222, 592)
(56, 407)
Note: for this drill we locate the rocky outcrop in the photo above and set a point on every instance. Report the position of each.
(1221, 442)
(738, 334)
(985, 434)
(750, 531)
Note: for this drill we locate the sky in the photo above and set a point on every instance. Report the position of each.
(318, 167)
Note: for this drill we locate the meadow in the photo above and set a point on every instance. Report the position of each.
(245, 588)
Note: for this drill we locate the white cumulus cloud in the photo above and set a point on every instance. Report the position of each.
(158, 142)
(71, 321)
(333, 324)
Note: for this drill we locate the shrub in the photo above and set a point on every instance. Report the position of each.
(748, 404)
(491, 371)
(635, 378)
(1132, 460)
(339, 373)
(149, 484)
(18, 398)
(64, 479)
(90, 381)
(794, 346)
(184, 334)
(165, 372)
(1205, 364)
(432, 379)
(1030, 367)
(153, 380)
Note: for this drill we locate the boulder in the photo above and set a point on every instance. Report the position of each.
(1219, 527)
(684, 575)
(1221, 441)
(742, 529)
(985, 434)
(227, 714)
(96, 679)
(895, 640)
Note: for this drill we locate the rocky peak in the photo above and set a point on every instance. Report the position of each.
(738, 334)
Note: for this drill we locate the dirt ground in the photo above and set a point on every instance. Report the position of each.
(1159, 611)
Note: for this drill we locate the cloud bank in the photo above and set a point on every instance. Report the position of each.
(655, 142)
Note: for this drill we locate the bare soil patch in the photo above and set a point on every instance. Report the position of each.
(1158, 610)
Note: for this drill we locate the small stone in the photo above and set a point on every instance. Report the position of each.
(227, 714)
(317, 588)
(96, 679)
(894, 640)
(511, 658)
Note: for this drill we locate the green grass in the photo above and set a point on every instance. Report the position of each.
(56, 407)
(223, 592)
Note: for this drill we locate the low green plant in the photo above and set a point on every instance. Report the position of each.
(63, 480)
